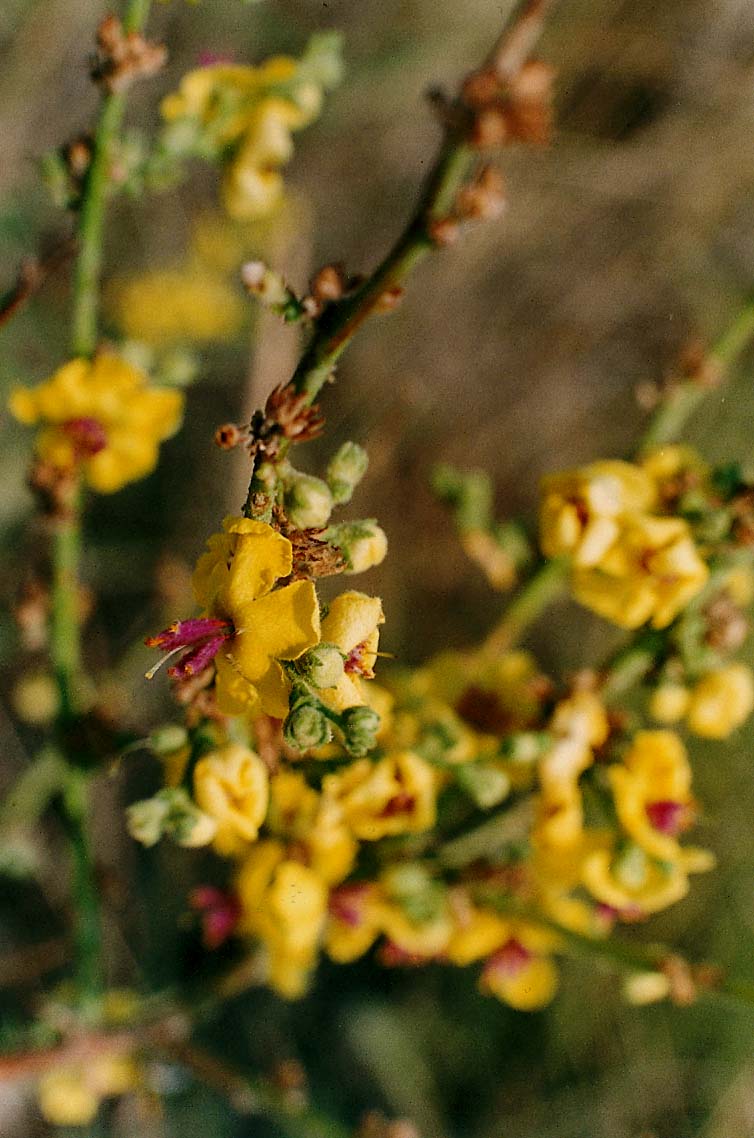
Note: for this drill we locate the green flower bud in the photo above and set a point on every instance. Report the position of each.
(485, 785)
(323, 666)
(187, 824)
(630, 866)
(360, 726)
(168, 739)
(306, 727)
(525, 746)
(308, 501)
(346, 469)
(146, 820)
(406, 879)
(362, 543)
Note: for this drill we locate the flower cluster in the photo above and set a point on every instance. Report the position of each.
(244, 117)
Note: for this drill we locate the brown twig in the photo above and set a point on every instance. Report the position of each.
(32, 274)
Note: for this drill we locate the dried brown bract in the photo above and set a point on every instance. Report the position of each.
(123, 57)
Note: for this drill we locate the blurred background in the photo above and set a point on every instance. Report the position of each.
(519, 351)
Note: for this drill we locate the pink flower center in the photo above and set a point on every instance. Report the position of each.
(668, 817)
(199, 640)
(87, 435)
(219, 912)
(347, 904)
(510, 960)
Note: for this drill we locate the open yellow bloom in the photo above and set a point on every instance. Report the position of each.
(231, 786)
(395, 795)
(248, 115)
(234, 583)
(70, 1095)
(352, 625)
(521, 972)
(314, 823)
(100, 416)
(634, 882)
(284, 904)
(253, 185)
(652, 792)
(650, 573)
(582, 509)
(721, 701)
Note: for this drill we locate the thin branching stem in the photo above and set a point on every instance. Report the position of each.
(65, 633)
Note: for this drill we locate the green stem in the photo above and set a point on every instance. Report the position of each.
(671, 417)
(86, 902)
(65, 632)
(539, 592)
(627, 957)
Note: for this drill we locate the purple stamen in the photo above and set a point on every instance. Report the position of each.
(203, 637)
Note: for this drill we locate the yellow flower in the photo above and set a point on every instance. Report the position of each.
(352, 625)
(252, 185)
(168, 305)
(582, 509)
(354, 921)
(633, 882)
(70, 1095)
(652, 792)
(669, 702)
(101, 416)
(476, 933)
(231, 786)
(395, 795)
(520, 972)
(234, 582)
(650, 573)
(302, 815)
(721, 701)
(579, 724)
(247, 115)
(65, 1099)
(283, 904)
(668, 463)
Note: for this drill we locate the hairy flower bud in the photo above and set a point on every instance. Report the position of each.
(345, 470)
(323, 665)
(360, 726)
(308, 501)
(306, 727)
(362, 543)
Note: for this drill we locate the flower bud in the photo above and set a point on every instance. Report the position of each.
(308, 501)
(362, 543)
(323, 666)
(35, 698)
(485, 785)
(186, 823)
(640, 988)
(306, 727)
(265, 284)
(146, 820)
(168, 739)
(346, 469)
(360, 726)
